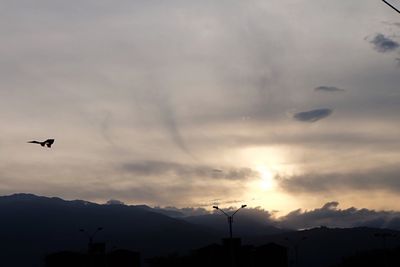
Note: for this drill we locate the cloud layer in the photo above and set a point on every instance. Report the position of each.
(147, 99)
(157, 168)
(331, 216)
(383, 178)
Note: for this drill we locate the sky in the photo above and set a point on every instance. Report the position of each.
(274, 104)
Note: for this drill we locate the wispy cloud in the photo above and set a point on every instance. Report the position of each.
(312, 115)
(397, 24)
(160, 168)
(328, 89)
(167, 115)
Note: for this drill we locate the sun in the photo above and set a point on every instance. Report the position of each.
(266, 178)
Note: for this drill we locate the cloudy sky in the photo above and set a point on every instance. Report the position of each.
(275, 104)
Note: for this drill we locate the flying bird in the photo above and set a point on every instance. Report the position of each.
(47, 143)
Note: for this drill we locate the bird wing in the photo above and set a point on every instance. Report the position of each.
(34, 142)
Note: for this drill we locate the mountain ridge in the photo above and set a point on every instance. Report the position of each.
(35, 226)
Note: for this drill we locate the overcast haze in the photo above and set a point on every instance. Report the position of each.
(274, 104)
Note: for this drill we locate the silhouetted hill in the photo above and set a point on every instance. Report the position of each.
(33, 226)
(169, 213)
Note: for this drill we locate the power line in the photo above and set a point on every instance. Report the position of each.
(391, 6)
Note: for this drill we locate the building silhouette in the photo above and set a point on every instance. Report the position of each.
(270, 254)
(123, 258)
(95, 257)
(372, 258)
(228, 254)
(66, 259)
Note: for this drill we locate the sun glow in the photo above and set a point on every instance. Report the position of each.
(264, 190)
(266, 178)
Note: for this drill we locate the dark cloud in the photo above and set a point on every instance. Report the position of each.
(312, 115)
(329, 215)
(219, 202)
(254, 213)
(160, 168)
(257, 213)
(384, 44)
(378, 179)
(328, 89)
(115, 202)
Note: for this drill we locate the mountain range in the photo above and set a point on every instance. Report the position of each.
(34, 226)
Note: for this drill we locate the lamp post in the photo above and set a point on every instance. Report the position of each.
(230, 217)
(296, 245)
(92, 235)
(230, 222)
(91, 252)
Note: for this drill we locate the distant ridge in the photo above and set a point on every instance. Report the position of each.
(33, 226)
(36, 225)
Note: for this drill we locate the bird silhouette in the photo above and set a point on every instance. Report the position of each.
(47, 143)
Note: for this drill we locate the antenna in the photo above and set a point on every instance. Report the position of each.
(391, 6)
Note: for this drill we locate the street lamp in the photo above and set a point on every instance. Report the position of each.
(230, 217)
(91, 236)
(296, 245)
(91, 252)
